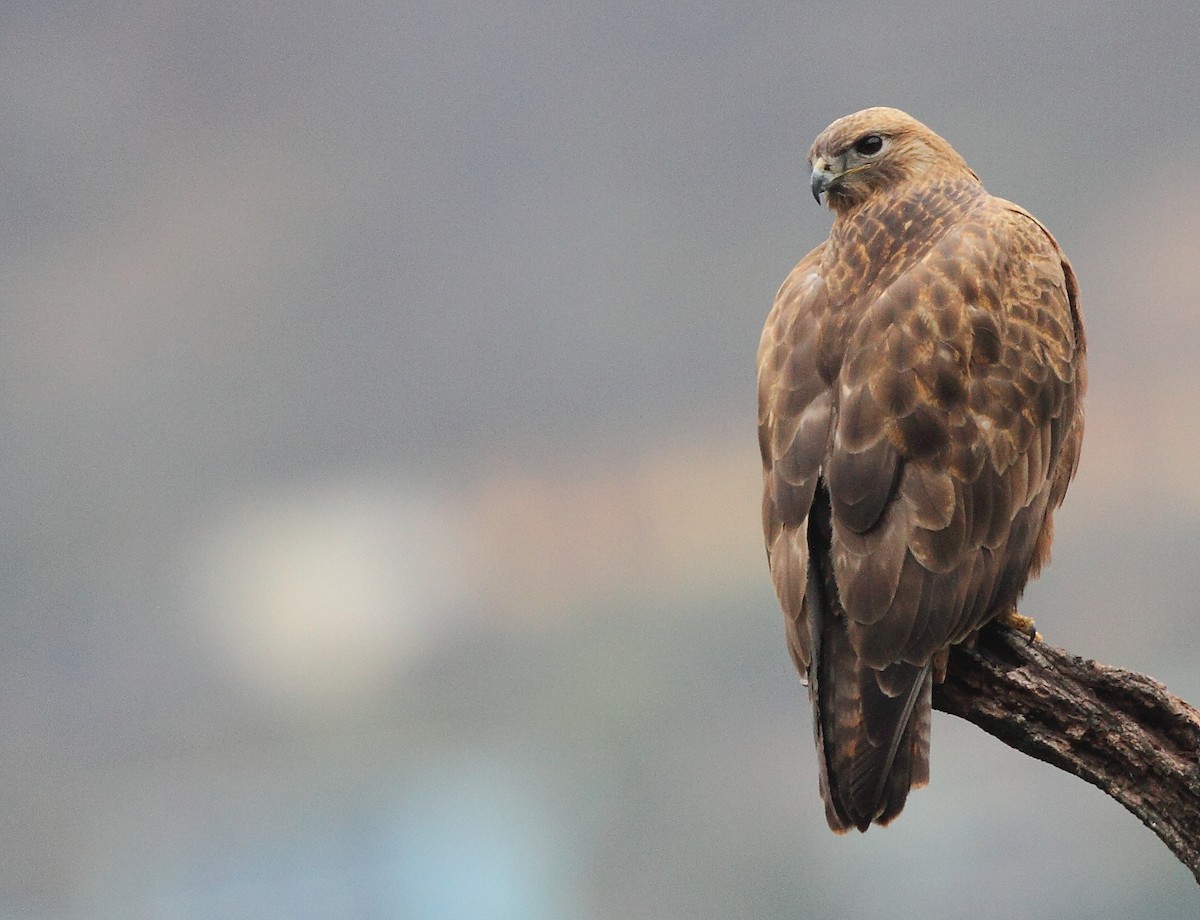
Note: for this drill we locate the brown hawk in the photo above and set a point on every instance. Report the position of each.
(919, 417)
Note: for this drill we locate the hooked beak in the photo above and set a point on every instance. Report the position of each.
(823, 176)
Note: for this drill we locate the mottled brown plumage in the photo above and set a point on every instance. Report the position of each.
(919, 416)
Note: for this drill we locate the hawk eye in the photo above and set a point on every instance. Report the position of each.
(869, 145)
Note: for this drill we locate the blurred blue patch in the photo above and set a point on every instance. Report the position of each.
(466, 840)
(474, 843)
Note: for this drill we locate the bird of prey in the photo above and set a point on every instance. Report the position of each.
(919, 415)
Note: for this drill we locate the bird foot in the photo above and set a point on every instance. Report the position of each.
(1023, 625)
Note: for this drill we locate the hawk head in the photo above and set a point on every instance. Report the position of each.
(873, 150)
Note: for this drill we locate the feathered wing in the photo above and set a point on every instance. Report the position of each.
(930, 454)
(795, 421)
(960, 422)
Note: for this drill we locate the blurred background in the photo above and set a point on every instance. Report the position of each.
(379, 472)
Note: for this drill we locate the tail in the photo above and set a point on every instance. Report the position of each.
(871, 726)
(872, 731)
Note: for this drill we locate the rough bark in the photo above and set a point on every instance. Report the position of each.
(1122, 732)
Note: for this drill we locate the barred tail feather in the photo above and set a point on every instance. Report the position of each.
(872, 731)
(871, 725)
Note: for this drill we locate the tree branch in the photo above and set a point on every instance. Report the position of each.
(1122, 732)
